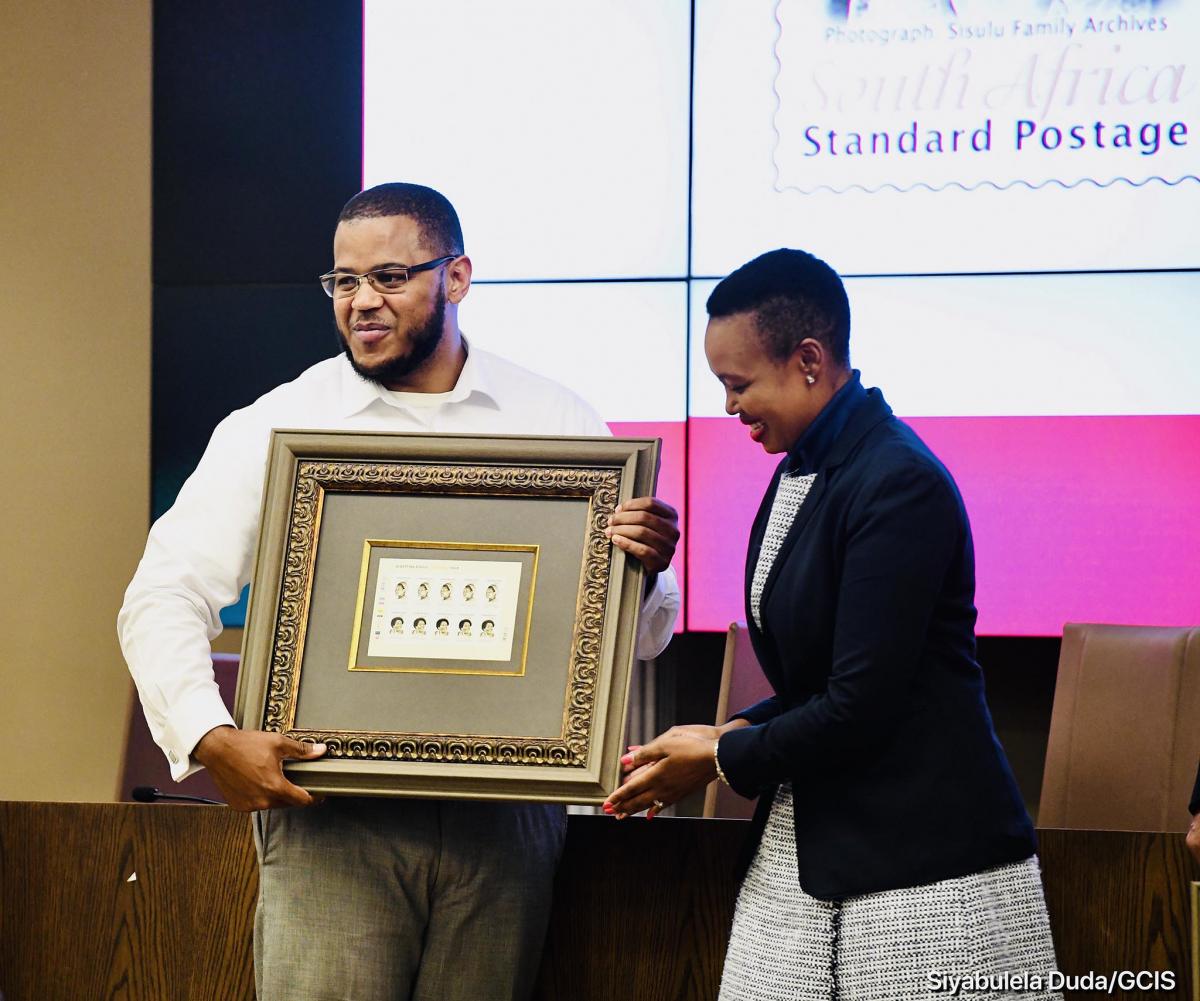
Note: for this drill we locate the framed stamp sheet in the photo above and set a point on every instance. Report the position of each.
(445, 612)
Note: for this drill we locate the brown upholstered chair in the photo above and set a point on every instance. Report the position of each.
(145, 764)
(742, 684)
(1125, 729)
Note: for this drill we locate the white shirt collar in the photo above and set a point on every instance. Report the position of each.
(358, 393)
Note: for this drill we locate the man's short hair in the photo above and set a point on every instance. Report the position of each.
(793, 295)
(431, 210)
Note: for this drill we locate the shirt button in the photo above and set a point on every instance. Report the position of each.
(173, 757)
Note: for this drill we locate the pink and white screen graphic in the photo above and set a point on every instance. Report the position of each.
(1034, 311)
(851, 135)
(566, 156)
(619, 345)
(1064, 406)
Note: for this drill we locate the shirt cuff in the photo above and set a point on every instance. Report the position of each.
(189, 721)
(660, 608)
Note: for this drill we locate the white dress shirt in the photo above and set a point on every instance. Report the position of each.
(200, 553)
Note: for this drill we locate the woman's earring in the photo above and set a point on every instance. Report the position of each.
(808, 377)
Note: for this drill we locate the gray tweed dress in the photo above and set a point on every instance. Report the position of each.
(982, 932)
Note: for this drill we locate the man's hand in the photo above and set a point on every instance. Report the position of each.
(647, 529)
(247, 766)
(1193, 837)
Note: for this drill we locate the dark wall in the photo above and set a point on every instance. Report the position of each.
(1019, 674)
(257, 145)
(257, 137)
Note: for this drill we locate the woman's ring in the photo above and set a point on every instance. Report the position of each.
(659, 806)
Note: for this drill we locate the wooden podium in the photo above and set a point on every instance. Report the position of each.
(156, 903)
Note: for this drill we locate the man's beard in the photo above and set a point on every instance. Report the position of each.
(422, 341)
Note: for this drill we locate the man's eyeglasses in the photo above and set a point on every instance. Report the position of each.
(339, 285)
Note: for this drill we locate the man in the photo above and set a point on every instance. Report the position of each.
(433, 901)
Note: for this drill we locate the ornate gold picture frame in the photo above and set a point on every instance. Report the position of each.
(445, 612)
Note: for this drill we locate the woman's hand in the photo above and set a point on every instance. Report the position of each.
(662, 772)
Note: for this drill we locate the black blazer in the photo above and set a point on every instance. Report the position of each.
(879, 719)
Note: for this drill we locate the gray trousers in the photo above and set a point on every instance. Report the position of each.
(404, 900)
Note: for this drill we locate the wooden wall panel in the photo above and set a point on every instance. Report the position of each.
(631, 919)
(73, 927)
(642, 910)
(1120, 901)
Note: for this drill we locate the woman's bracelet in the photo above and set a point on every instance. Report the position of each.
(717, 761)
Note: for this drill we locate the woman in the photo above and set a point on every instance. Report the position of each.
(892, 851)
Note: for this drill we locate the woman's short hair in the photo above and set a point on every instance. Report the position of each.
(793, 295)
